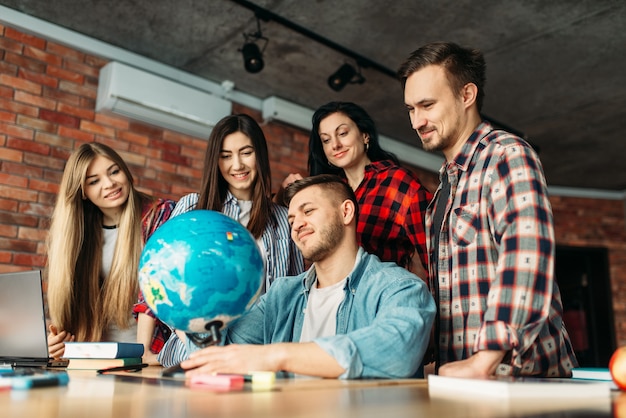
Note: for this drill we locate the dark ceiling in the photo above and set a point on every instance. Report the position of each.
(555, 69)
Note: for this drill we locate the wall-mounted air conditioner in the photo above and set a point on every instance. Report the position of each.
(275, 108)
(155, 100)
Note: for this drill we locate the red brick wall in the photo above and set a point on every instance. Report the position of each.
(47, 101)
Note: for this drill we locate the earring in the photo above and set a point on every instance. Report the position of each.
(367, 147)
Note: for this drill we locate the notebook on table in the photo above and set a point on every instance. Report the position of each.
(23, 334)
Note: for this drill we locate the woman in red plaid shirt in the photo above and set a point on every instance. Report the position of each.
(392, 201)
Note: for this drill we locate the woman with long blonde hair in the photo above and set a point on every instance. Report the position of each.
(99, 225)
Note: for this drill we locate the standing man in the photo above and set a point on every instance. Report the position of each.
(490, 228)
(350, 316)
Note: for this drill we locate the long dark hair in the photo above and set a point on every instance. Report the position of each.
(318, 163)
(215, 188)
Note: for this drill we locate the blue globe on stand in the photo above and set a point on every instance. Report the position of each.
(199, 271)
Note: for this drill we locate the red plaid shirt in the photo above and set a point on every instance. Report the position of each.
(154, 215)
(495, 261)
(392, 205)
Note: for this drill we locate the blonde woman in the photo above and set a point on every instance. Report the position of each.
(99, 225)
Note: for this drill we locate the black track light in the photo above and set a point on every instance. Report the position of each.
(344, 75)
(252, 58)
(252, 54)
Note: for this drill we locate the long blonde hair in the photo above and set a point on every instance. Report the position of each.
(80, 300)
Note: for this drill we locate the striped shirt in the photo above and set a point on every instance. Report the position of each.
(495, 266)
(153, 215)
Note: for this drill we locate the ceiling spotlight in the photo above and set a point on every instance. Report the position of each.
(344, 75)
(252, 58)
(252, 54)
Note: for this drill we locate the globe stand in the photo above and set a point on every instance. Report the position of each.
(202, 340)
(214, 337)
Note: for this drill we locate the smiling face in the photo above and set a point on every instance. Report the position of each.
(342, 141)
(437, 113)
(316, 224)
(237, 163)
(107, 187)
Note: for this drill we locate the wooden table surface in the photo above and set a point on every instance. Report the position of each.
(142, 394)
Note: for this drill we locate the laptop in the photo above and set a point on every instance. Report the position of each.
(23, 333)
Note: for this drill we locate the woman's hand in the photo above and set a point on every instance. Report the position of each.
(56, 341)
(291, 178)
(279, 196)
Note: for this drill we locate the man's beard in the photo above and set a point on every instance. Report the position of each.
(439, 142)
(330, 237)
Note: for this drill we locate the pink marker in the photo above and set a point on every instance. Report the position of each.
(217, 381)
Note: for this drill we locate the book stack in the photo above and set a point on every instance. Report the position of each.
(599, 374)
(102, 355)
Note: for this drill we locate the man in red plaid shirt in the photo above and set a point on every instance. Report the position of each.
(490, 228)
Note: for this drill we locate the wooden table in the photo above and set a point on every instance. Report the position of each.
(141, 394)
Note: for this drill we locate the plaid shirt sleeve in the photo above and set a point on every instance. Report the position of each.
(154, 215)
(415, 222)
(520, 219)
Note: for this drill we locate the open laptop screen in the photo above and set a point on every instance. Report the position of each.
(23, 336)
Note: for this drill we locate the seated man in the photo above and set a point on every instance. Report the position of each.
(349, 316)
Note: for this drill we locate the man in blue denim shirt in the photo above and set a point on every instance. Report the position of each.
(350, 316)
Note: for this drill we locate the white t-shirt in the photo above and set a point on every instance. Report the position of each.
(244, 215)
(108, 247)
(320, 317)
(128, 335)
(113, 333)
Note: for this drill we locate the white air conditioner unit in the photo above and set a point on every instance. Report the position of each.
(158, 101)
(275, 108)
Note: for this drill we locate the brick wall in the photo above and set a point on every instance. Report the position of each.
(47, 101)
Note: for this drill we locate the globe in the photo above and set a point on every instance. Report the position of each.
(200, 268)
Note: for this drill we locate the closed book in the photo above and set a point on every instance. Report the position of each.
(102, 350)
(506, 387)
(101, 363)
(594, 373)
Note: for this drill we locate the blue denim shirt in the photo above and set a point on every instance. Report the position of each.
(383, 323)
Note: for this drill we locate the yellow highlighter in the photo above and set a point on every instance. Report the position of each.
(261, 378)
